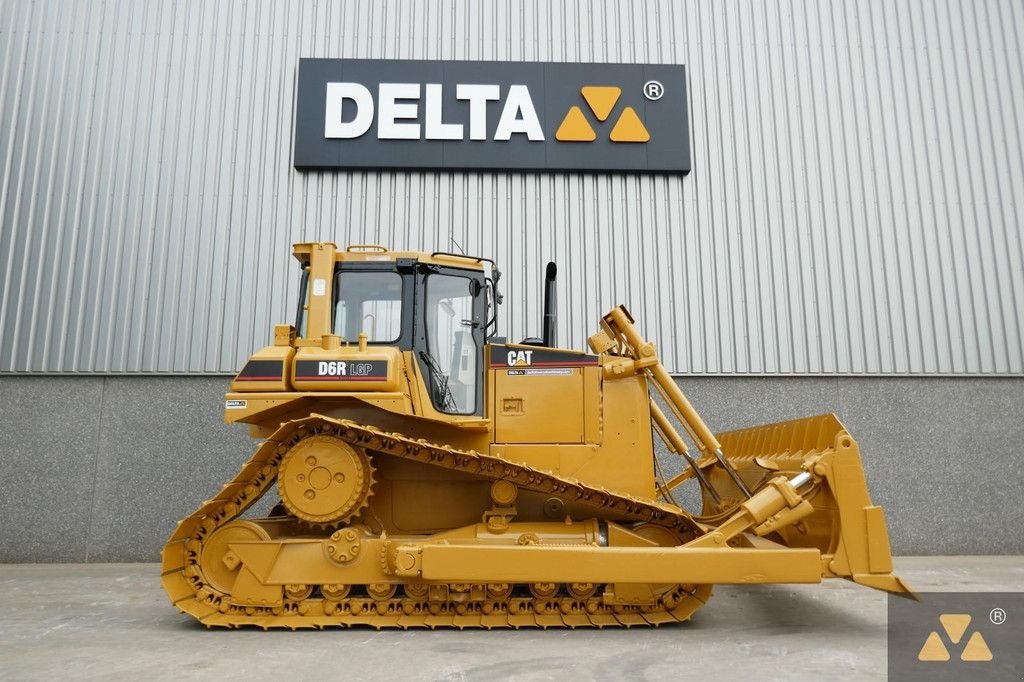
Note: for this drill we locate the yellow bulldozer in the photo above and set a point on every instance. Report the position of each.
(431, 474)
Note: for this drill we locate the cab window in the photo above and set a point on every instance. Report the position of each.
(451, 353)
(370, 302)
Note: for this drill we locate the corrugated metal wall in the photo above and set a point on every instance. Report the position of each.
(856, 203)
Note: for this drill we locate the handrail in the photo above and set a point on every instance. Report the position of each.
(366, 247)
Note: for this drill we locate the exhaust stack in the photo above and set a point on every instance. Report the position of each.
(548, 324)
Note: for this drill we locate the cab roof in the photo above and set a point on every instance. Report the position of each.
(363, 253)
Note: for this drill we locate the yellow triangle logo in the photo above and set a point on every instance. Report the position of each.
(575, 128)
(976, 649)
(601, 98)
(933, 649)
(955, 625)
(629, 128)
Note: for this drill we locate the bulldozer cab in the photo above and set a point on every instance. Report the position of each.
(437, 307)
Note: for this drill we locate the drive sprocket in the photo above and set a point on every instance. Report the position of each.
(325, 481)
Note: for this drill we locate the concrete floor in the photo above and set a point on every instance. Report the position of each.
(113, 621)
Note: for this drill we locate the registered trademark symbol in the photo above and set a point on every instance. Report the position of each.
(997, 616)
(653, 90)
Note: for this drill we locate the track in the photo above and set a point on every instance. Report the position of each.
(184, 581)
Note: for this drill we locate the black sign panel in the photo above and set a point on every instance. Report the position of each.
(261, 370)
(539, 116)
(341, 370)
(521, 356)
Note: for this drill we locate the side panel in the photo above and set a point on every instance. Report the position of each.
(609, 421)
(538, 405)
(625, 459)
(543, 395)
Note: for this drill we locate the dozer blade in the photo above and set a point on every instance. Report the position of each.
(843, 524)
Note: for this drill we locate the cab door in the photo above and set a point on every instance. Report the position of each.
(450, 337)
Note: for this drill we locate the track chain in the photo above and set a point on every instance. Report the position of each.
(183, 579)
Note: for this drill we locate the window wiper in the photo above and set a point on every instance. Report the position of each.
(440, 382)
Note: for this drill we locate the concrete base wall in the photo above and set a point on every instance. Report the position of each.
(100, 468)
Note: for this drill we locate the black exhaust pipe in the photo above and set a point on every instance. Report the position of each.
(548, 324)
